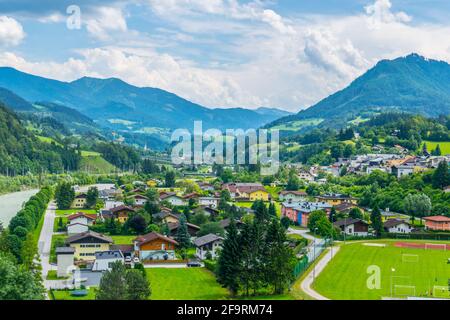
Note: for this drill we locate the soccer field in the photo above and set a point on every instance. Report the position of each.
(404, 272)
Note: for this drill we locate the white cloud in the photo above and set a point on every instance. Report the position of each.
(11, 31)
(380, 12)
(229, 9)
(105, 21)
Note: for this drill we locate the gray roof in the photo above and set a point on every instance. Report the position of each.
(80, 236)
(199, 242)
(349, 222)
(65, 250)
(108, 255)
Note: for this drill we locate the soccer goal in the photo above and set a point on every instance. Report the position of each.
(441, 292)
(435, 246)
(410, 258)
(404, 291)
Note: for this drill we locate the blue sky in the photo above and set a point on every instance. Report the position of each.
(222, 53)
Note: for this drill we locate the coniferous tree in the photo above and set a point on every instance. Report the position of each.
(333, 214)
(272, 210)
(229, 263)
(183, 238)
(441, 176)
(375, 218)
(279, 258)
(91, 197)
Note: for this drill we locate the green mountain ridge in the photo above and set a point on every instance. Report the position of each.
(412, 84)
(105, 99)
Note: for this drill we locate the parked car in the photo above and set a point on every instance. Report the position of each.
(128, 259)
(136, 260)
(194, 264)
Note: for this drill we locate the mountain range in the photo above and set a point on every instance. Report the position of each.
(118, 105)
(412, 84)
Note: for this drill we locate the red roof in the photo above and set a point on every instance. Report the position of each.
(82, 214)
(152, 236)
(438, 219)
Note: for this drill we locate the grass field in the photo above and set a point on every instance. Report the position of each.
(63, 213)
(96, 164)
(409, 270)
(123, 239)
(445, 146)
(185, 284)
(65, 295)
(297, 125)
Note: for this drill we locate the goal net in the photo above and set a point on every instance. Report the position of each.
(435, 246)
(410, 258)
(441, 292)
(404, 291)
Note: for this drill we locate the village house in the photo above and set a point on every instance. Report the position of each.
(225, 223)
(65, 261)
(80, 201)
(299, 212)
(87, 244)
(122, 213)
(105, 260)
(172, 198)
(307, 176)
(292, 196)
(166, 217)
(210, 243)
(83, 218)
(247, 191)
(336, 199)
(437, 223)
(397, 226)
(204, 186)
(353, 227)
(140, 200)
(155, 246)
(207, 211)
(209, 202)
(192, 228)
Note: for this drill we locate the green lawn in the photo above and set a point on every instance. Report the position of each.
(55, 238)
(65, 295)
(53, 275)
(345, 278)
(445, 146)
(185, 284)
(72, 211)
(56, 224)
(248, 204)
(89, 153)
(123, 239)
(96, 164)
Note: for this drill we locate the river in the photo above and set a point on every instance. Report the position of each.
(11, 203)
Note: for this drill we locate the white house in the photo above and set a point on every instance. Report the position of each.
(104, 260)
(209, 202)
(397, 226)
(82, 218)
(111, 204)
(65, 261)
(173, 199)
(76, 228)
(209, 243)
(292, 196)
(353, 227)
(140, 200)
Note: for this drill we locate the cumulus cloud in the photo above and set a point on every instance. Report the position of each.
(380, 12)
(104, 21)
(11, 31)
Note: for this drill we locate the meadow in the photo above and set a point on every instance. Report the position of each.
(445, 146)
(184, 284)
(404, 272)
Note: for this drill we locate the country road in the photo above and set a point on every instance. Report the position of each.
(45, 239)
(307, 283)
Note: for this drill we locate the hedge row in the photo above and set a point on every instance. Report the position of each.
(27, 220)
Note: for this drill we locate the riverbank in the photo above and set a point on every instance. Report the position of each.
(11, 203)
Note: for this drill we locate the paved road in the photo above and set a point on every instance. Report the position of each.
(45, 239)
(315, 243)
(306, 285)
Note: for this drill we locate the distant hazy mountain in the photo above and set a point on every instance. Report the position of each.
(411, 84)
(70, 118)
(119, 105)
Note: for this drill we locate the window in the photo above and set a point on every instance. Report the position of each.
(163, 246)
